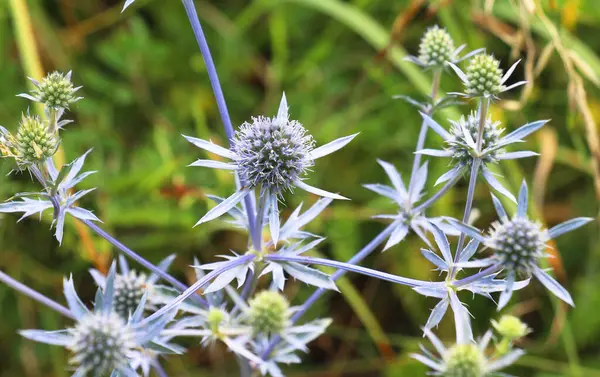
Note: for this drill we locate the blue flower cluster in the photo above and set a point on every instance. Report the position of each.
(138, 316)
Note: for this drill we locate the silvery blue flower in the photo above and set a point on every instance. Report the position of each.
(272, 154)
(484, 77)
(518, 244)
(57, 196)
(461, 146)
(465, 359)
(103, 343)
(410, 215)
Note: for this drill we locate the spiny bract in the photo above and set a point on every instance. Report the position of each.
(101, 343)
(436, 47)
(273, 152)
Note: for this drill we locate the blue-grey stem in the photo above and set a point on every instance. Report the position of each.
(435, 86)
(357, 258)
(484, 104)
(192, 15)
(435, 197)
(198, 285)
(483, 273)
(136, 257)
(22, 288)
(468, 207)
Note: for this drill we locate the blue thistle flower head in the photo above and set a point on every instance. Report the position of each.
(101, 343)
(518, 244)
(273, 153)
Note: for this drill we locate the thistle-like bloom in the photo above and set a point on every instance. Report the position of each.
(56, 196)
(484, 77)
(465, 359)
(518, 244)
(55, 91)
(130, 286)
(34, 142)
(102, 343)
(437, 49)
(272, 154)
(461, 147)
(409, 215)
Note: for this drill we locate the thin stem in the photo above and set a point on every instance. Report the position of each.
(133, 255)
(483, 273)
(435, 197)
(484, 104)
(437, 74)
(198, 285)
(192, 15)
(260, 216)
(357, 258)
(468, 207)
(20, 287)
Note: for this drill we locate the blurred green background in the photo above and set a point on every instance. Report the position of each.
(340, 63)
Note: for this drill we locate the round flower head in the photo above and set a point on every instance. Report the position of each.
(272, 152)
(102, 343)
(268, 313)
(55, 91)
(464, 360)
(518, 244)
(511, 327)
(436, 47)
(34, 142)
(466, 129)
(129, 290)
(484, 76)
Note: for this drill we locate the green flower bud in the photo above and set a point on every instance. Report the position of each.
(511, 327)
(215, 318)
(484, 75)
(464, 360)
(269, 312)
(56, 91)
(34, 141)
(436, 47)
